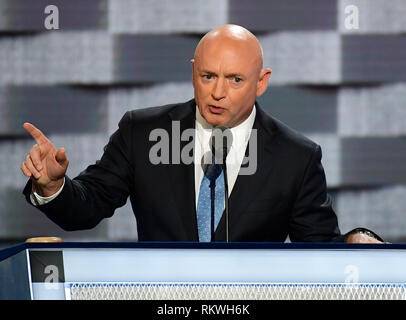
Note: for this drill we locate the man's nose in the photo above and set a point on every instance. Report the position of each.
(219, 90)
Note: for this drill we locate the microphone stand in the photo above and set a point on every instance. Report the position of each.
(212, 196)
(225, 140)
(226, 195)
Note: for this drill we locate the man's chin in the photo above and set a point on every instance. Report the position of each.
(215, 119)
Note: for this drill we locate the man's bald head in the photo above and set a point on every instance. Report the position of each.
(235, 36)
(228, 75)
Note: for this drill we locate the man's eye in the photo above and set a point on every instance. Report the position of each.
(207, 76)
(236, 79)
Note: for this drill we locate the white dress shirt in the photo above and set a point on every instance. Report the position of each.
(241, 135)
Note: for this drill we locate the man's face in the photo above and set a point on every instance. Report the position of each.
(227, 78)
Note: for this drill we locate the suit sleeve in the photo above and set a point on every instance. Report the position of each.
(97, 191)
(313, 218)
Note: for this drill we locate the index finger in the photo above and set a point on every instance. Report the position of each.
(35, 133)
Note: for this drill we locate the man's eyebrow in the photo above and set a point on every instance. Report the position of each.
(207, 71)
(232, 75)
(228, 75)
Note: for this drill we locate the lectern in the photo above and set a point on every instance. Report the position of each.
(214, 271)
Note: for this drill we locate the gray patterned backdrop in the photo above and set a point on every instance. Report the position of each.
(344, 88)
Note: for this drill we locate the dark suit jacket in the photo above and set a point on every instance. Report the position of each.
(287, 195)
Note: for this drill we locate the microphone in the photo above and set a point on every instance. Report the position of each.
(220, 142)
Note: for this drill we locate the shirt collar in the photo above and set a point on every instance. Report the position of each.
(241, 135)
(243, 130)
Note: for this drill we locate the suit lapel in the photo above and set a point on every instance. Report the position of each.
(247, 187)
(182, 182)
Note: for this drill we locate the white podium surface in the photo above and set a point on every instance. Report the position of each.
(204, 271)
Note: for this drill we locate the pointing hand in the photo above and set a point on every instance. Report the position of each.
(44, 164)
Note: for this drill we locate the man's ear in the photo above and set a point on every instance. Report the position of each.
(263, 81)
(192, 62)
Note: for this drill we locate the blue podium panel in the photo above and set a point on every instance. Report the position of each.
(203, 271)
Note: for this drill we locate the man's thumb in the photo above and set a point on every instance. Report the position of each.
(61, 157)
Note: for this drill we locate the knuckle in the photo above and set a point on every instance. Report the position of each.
(35, 148)
(28, 166)
(28, 163)
(25, 170)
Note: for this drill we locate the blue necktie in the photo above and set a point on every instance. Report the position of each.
(204, 201)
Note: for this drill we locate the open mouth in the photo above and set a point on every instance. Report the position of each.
(216, 109)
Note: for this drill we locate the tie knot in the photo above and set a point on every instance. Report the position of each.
(213, 171)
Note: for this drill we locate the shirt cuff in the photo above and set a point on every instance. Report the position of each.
(38, 200)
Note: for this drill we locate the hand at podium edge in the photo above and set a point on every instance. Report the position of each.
(44, 165)
(361, 238)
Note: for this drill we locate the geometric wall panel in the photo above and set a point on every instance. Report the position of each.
(57, 56)
(373, 161)
(27, 15)
(331, 157)
(12, 154)
(123, 99)
(53, 109)
(19, 220)
(375, 16)
(306, 109)
(372, 111)
(123, 225)
(265, 15)
(157, 16)
(303, 57)
(367, 58)
(153, 58)
(381, 210)
(81, 149)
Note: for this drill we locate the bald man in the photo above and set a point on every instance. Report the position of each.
(285, 195)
